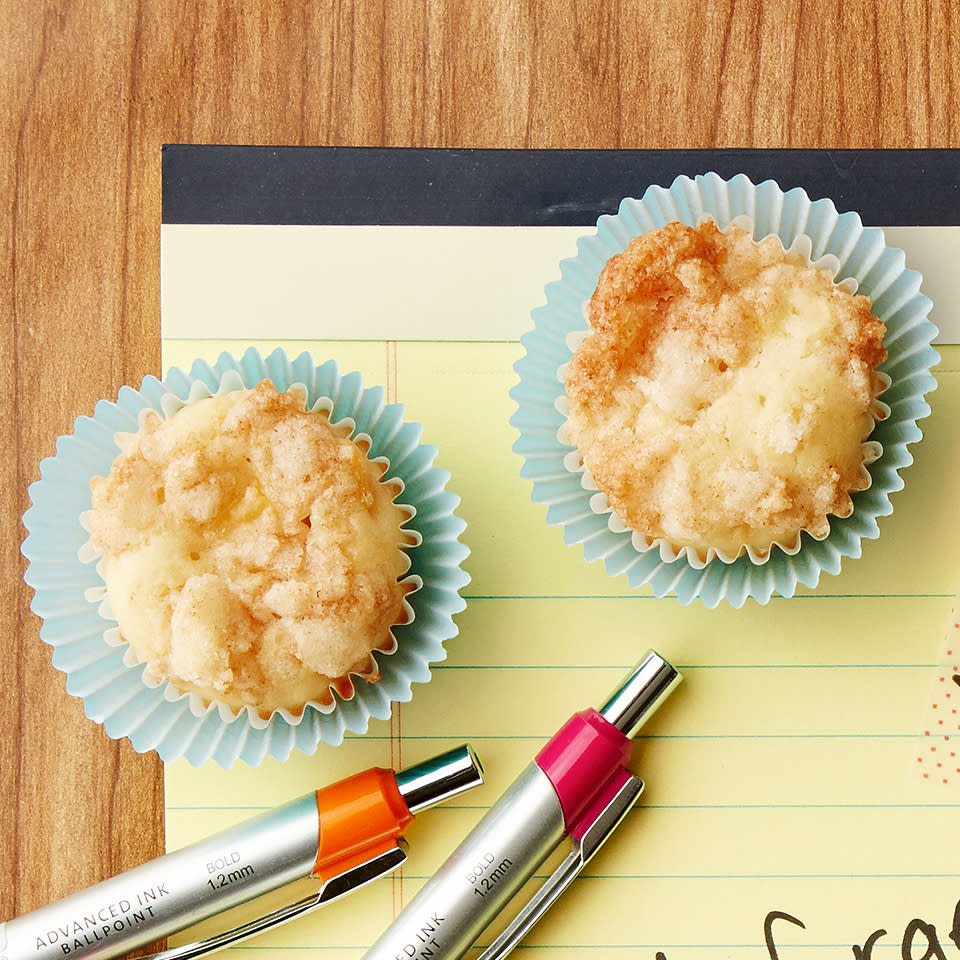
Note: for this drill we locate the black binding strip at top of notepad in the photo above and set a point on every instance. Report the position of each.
(440, 187)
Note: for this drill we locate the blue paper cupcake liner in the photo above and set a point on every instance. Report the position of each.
(863, 255)
(114, 693)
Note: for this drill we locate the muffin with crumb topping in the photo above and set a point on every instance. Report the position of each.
(723, 396)
(251, 551)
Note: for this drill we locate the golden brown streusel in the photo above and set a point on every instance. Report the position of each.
(724, 390)
(250, 552)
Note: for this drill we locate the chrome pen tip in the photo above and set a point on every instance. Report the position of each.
(439, 778)
(640, 693)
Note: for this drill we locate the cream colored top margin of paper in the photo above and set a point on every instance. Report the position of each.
(302, 282)
(413, 282)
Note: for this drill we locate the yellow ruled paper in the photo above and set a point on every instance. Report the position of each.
(781, 776)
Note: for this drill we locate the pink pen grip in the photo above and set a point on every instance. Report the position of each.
(581, 758)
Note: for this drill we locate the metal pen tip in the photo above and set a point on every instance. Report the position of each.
(640, 693)
(439, 778)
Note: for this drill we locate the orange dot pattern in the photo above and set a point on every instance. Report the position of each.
(937, 759)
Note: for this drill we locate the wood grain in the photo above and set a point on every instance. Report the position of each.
(92, 89)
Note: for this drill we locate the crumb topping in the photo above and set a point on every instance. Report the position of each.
(250, 552)
(724, 390)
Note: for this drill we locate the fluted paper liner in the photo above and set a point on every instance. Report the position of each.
(102, 670)
(861, 257)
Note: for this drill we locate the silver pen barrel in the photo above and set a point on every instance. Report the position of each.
(519, 832)
(499, 855)
(168, 894)
(207, 878)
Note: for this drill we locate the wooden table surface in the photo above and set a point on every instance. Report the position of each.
(92, 89)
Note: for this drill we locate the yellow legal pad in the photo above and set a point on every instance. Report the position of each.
(782, 776)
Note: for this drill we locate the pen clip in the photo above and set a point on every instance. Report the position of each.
(616, 801)
(334, 888)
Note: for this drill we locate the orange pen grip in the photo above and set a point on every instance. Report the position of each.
(360, 817)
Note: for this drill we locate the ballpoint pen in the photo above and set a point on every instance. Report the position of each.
(343, 835)
(577, 787)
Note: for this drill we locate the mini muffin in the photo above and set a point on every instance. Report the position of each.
(723, 395)
(102, 670)
(250, 551)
